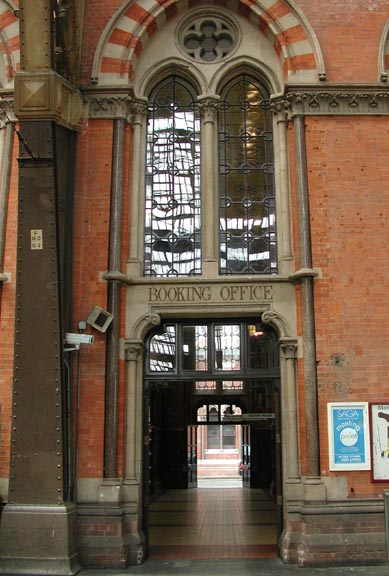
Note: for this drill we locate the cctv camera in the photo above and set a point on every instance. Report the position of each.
(77, 339)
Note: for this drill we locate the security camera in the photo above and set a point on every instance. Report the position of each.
(77, 339)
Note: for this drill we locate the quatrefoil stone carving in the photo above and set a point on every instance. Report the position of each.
(208, 39)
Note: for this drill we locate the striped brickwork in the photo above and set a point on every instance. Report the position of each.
(129, 33)
(9, 43)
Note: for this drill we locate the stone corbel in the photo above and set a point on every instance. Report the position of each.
(45, 95)
(304, 273)
(117, 276)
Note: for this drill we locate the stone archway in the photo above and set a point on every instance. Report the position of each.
(130, 29)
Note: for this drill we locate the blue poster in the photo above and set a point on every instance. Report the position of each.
(349, 436)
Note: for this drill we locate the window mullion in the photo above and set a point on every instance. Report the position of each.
(208, 108)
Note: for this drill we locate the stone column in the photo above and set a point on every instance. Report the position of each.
(290, 441)
(209, 201)
(132, 444)
(284, 225)
(305, 275)
(137, 184)
(113, 301)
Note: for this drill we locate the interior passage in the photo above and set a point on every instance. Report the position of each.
(209, 523)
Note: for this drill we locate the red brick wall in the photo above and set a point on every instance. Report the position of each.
(349, 34)
(97, 15)
(90, 259)
(7, 315)
(349, 199)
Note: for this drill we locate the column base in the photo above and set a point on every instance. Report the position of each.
(39, 539)
(334, 533)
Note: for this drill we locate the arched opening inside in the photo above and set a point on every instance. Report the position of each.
(212, 392)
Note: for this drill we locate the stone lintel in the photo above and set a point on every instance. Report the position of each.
(44, 95)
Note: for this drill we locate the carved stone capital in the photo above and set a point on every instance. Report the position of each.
(133, 350)
(209, 107)
(45, 95)
(104, 106)
(138, 111)
(336, 100)
(288, 348)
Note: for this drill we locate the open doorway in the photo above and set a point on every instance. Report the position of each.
(212, 394)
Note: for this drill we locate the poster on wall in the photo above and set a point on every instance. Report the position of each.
(379, 431)
(348, 434)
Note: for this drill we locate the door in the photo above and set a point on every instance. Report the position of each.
(192, 456)
(246, 456)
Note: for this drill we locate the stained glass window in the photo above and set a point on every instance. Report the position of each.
(172, 207)
(246, 179)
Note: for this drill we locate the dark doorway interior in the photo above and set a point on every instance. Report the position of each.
(225, 383)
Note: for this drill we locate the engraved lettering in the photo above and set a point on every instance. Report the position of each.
(229, 293)
(153, 295)
(207, 293)
(225, 293)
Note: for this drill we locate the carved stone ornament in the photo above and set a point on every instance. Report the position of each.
(208, 37)
(288, 348)
(6, 111)
(209, 107)
(335, 100)
(109, 106)
(133, 350)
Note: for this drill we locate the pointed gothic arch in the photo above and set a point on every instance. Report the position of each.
(128, 32)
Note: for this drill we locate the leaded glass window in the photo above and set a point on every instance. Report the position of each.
(172, 206)
(246, 179)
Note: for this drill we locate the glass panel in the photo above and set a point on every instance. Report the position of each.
(261, 348)
(232, 385)
(228, 436)
(202, 413)
(172, 205)
(213, 436)
(194, 348)
(227, 347)
(162, 356)
(246, 198)
(205, 386)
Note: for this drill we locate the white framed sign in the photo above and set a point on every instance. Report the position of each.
(379, 434)
(348, 436)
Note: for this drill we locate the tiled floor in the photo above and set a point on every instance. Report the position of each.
(212, 522)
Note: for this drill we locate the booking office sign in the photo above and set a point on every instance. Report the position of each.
(348, 433)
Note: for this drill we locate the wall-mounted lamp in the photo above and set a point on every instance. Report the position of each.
(99, 319)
